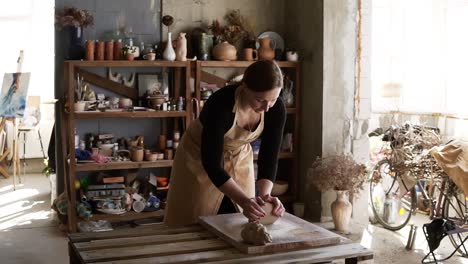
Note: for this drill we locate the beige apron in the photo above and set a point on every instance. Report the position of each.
(191, 193)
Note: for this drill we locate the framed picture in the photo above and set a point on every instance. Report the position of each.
(13, 94)
(148, 84)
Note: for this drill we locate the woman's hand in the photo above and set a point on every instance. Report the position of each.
(252, 210)
(278, 208)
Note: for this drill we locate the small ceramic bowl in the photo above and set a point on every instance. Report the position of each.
(151, 156)
(107, 146)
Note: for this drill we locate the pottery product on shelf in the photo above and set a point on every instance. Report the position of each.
(250, 54)
(265, 52)
(181, 48)
(118, 50)
(169, 53)
(292, 56)
(90, 50)
(109, 53)
(156, 101)
(99, 50)
(137, 154)
(225, 52)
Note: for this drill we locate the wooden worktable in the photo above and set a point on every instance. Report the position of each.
(194, 244)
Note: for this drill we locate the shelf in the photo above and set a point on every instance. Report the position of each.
(123, 165)
(286, 198)
(135, 114)
(127, 216)
(244, 64)
(282, 155)
(125, 63)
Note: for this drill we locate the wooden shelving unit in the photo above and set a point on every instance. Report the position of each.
(135, 114)
(126, 216)
(123, 165)
(291, 159)
(71, 69)
(69, 118)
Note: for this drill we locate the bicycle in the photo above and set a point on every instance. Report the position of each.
(393, 196)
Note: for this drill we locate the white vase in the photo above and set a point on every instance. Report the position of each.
(341, 211)
(169, 53)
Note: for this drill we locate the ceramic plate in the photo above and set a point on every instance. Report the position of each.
(112, 211)
(277, 39)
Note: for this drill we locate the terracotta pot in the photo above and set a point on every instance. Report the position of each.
(137, 154)
(265, 51)
(225, 52)
(341, 210)
(129, 56)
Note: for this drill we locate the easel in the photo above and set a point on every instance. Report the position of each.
(15, 157)
(5, 151)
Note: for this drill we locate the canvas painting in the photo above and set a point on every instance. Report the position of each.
(13, 94)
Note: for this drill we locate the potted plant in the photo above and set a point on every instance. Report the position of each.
(343, 175)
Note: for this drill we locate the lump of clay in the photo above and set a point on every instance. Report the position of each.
(256, 233)
(269, 218)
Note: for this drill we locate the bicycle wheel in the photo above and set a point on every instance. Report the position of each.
(455, 208)
(384, 190)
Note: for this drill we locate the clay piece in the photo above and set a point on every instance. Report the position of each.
(269, 218)
(256, 233)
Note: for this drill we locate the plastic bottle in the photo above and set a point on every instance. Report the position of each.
(180, 104)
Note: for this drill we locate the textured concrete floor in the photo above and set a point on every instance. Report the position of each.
(29, 233)
(389, 246)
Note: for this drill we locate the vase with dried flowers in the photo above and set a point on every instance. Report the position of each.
(72, 21)
(237, 31)
(344, 175)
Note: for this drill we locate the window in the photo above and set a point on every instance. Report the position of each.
(29, 25)
(420, 56)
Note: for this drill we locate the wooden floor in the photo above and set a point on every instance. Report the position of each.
(194, 244)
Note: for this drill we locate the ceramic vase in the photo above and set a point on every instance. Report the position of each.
(265, 51)
(225, 52)
(169, 53)
(76, 49)
(181, 48)
(341, 210)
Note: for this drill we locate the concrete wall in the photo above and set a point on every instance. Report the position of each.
(142, 17)
(346, 89)
(188, 14)
(305, 27)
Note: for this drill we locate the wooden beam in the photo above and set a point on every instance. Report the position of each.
(213, 79)
(108, 84)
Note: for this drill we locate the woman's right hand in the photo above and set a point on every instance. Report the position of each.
(252, 210)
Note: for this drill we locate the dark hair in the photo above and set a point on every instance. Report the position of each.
(263, 75)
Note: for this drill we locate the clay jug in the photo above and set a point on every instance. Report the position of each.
(341, 210)
(169, 53)
(181, 48)
(265, 51)
(225, 52)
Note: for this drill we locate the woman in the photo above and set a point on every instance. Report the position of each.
(213, 169)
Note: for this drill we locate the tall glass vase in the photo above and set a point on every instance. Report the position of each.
(76, 50)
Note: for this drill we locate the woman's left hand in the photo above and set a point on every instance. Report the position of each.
(278, 208)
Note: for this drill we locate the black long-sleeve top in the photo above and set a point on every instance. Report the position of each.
(217, 118)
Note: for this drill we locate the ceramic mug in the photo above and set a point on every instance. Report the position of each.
(79, 106)
(292, 56)
(250, 54)
(150, 56)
